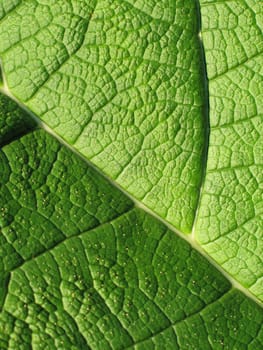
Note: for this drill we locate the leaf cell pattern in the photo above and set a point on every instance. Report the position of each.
(123, 84)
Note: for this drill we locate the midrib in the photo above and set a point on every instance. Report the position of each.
(190, 238)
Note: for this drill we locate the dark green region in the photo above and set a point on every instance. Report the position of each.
(14, 121)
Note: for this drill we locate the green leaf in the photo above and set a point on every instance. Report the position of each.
(84, 269)
(121, 86)
(229, 224)
(13, 121)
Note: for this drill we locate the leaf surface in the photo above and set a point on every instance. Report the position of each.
(123, 85)
(230, 219)
(84, 269)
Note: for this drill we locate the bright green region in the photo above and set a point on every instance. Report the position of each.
(13, 120)
(121, 81)
(230, 218)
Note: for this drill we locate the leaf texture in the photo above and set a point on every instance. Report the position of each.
(84, 269)
(121, 85)
(230, 219)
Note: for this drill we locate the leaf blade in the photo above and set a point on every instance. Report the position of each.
(137, 92)
(229, 223)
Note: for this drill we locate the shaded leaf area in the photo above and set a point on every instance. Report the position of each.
(7, 6)
(48, 194)
(231, 323)
(13, 121)
(230, 220)
(100, 274)
(121, 81)
(113, 286)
